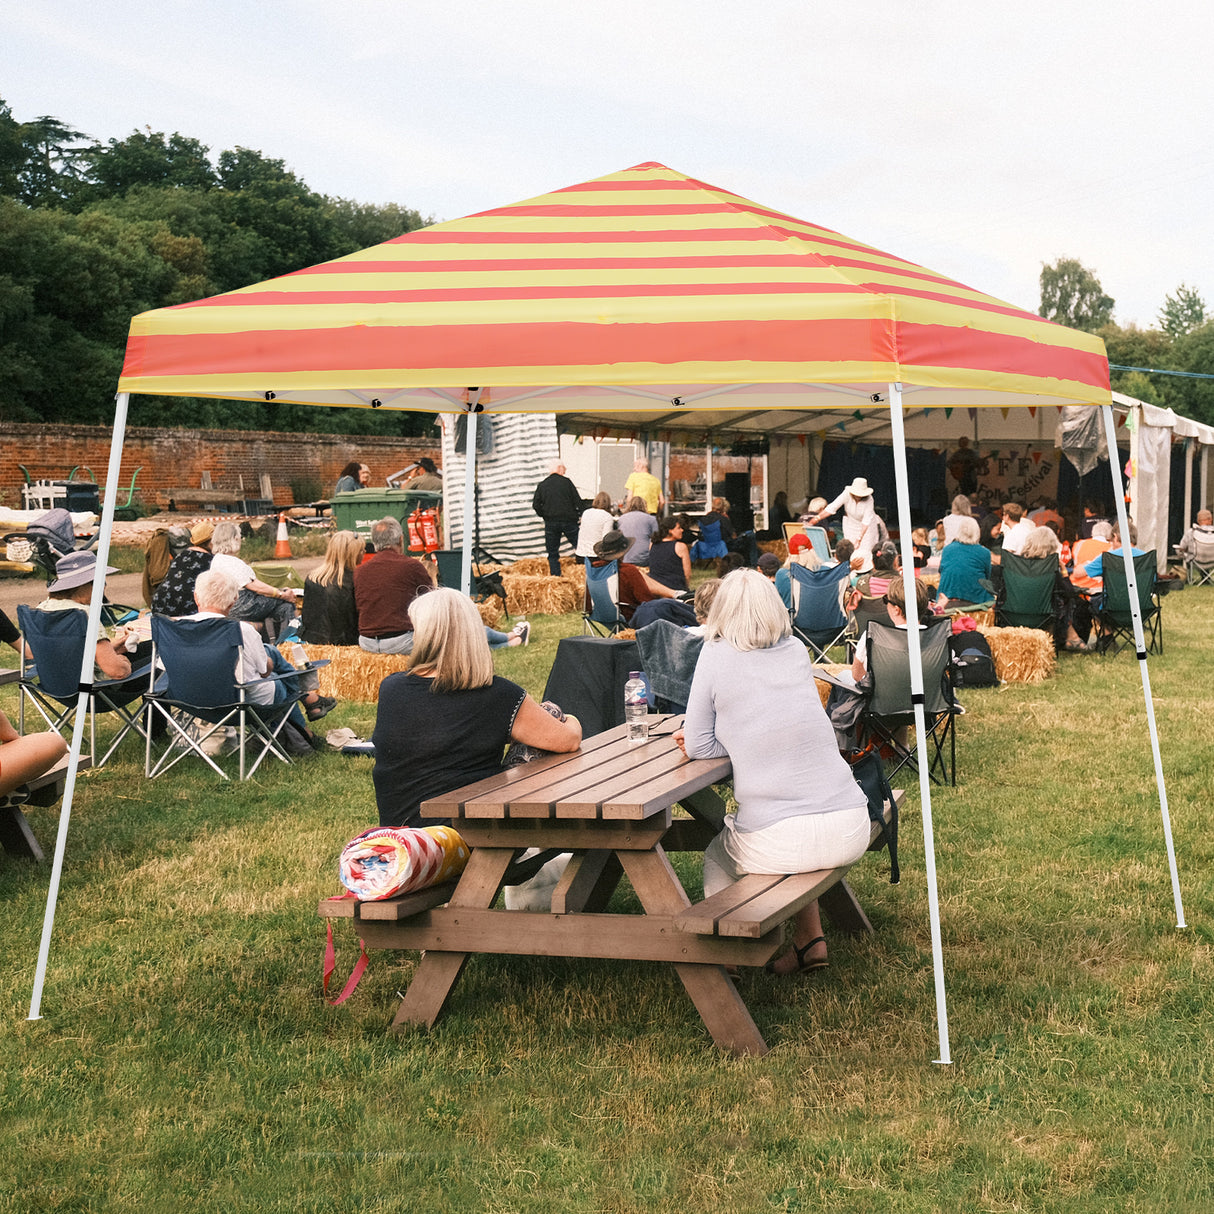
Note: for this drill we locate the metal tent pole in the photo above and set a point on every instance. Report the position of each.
(469, 492)
(1123, 523)
(902, 488)
(86, 681)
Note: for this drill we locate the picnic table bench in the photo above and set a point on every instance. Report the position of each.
(16, 837)
(610, 805)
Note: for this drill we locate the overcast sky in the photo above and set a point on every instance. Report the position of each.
(977, 139)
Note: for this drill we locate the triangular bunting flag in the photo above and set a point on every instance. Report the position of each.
(1036, 457)
(948, 411)
(1032, 410)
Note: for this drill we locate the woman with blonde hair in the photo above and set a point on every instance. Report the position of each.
(446, 721)
(329, 614)
(799, 807)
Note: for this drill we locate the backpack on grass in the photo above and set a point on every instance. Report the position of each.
(973, 664)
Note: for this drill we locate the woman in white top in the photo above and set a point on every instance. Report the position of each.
(961, 509)
(595, 524)
(859, 519)
(257, 600)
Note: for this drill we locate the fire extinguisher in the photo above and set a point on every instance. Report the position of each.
(429, 524)
(417, 542)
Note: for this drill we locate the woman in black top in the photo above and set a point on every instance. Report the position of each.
(174, 596)
(445, 722)
(329, 614)
(669, 557)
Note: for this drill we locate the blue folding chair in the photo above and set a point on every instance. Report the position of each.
(198, 695)
(710, 546)
(52, 682)
(818, 618)
(601, 613)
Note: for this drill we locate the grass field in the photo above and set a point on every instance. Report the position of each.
(186, 1059)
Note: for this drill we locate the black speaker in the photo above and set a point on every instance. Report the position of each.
(737, 494)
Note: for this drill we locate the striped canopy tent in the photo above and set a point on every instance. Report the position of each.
(630, 301)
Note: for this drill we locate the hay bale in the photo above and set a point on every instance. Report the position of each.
(352, 673)
(491, 610)
(530, 566)
(541, 595)
(1022, 655)
(779, 547)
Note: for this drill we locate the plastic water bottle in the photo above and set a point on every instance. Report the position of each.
(636, 707)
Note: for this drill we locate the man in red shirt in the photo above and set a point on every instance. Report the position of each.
(384, 587)
(635, 586)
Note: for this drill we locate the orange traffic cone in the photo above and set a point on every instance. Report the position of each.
(282, 546)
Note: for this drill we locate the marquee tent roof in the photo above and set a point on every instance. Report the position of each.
(644, 291)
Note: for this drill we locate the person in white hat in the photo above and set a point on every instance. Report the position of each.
(860, 523)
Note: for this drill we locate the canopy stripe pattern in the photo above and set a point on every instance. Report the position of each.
(642, 277)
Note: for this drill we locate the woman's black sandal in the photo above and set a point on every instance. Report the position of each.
(803, 966)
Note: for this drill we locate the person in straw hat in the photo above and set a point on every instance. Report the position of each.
(860, 522)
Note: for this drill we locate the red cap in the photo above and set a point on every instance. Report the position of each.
(797, 543)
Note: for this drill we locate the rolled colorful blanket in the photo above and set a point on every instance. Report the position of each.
(386, 861)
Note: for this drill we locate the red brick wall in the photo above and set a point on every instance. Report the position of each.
(176, 459)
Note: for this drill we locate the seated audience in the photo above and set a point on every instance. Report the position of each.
(669, 556)
(962, 564)
(639, 528)
(1095, 567)
(728, 563)
(1099, 541)
(594, 524)
(922, 548)
(175, 595)
(258, 602)
(1072, 617)
(329, 614)
(216, 593)
(11, 635)
(961, 508)
(72, 590)
(895, 606)
(353, 476)
(635, 587)
(1202, 533)
(165, 544)
(1015, 528)
(799, 807)
(885, 568)
(446, 721)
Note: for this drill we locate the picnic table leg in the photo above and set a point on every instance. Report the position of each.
(587, 884)
(16, 837)
(438, 972)
(709, 987)
(844, 912)
(707, 805)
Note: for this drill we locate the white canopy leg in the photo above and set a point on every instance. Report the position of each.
(86, 680)
(1110, 427)
(901, 482)
(469, 500)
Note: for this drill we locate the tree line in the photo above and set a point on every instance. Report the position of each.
(92, 233)
(1182, 339)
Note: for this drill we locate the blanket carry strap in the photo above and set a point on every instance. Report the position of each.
(330, 962)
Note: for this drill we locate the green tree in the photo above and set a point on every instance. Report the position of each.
(1182, 311)
(12, 151)
(51, 173)
(1195, 352)
(1134, 347)
(364, 224)
(1072, 295)
(147, 158)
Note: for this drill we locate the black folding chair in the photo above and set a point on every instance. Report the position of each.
(1112, 610)
(890, 708)
(1028, 592)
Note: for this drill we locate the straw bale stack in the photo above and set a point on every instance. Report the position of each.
(779, 547)
(530, 566)
(352, 673)
(541, 595)
(1022, 655)
(491, 610)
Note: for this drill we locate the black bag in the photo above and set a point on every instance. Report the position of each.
(973, 664)
(869, 773)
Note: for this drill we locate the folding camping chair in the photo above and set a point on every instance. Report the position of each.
(198, 695)
(1112, 610)
(817, 537)
(601, 615)
(710, 546)
(1028, 592)
(1199, 569)
(52, 682)
(818, 617)
(890, 708)
(867, 609)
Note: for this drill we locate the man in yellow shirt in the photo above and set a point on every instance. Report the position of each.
(643, 484)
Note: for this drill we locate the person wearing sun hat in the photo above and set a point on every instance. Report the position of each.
(636, 587)
(72, 590)
(860, 522)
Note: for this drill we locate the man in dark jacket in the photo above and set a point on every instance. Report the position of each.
(558, 503)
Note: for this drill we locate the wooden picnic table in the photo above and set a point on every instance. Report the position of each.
(610, 805)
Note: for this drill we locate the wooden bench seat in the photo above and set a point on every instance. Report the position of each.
(16, 837)
(754, 905)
